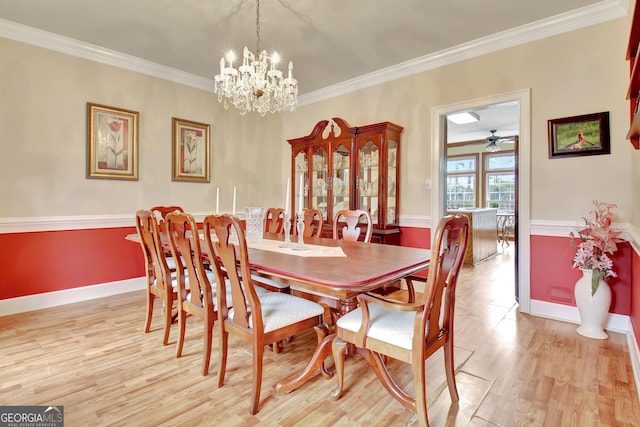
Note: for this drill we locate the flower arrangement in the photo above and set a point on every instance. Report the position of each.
(594, 241)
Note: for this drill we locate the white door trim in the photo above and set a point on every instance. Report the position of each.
(438, 168)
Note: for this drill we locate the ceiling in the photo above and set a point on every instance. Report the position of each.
(504, 118)
(331, 42)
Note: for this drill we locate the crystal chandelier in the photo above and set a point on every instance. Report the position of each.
(257, 85)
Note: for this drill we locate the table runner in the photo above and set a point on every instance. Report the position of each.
(312, 250)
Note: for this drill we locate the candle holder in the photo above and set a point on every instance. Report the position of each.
(300, 246)
(286, 223)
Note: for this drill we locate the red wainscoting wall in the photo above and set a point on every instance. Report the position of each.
(553, 279)
(415, 237)
(39, 262)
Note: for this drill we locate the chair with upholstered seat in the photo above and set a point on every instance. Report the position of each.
(409, 332)
(196, 284)
(273, 220)
(160, 282)
(257, 319)
(354, 221)
(313, 221)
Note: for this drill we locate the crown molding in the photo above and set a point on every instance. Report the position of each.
(69, 46)
(579, 18)
(569, 21)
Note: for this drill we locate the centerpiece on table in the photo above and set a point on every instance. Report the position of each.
(595, 241)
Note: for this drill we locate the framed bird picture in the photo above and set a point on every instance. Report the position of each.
(585, 135)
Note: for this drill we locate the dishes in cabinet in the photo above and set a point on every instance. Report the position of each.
(337, 161)
(318, 162)
(391, 215)
(392, 186)
(392, 157)
(341, 205)
(320, 186)
(301, 164)
(338, 186)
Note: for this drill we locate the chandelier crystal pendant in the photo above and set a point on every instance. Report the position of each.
(257, 85)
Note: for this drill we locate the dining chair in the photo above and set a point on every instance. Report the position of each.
(160, 282)
(196, 295)
(313, 221)
(161, 213)
(409, 332)
(273, 220)
(259, 319)
(352, 231)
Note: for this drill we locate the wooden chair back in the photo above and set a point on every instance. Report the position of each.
(354, 220)
(163, 211)
(378, 326)
(226, 257)
(273, 220)
(195, 293)
(313, 221)
(157, 271)
(243, 316)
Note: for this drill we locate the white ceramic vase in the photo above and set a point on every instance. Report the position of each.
(593, 308)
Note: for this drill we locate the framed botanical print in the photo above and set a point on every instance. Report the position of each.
(112, 142)
(190, 151)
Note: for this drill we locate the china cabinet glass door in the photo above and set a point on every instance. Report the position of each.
(368, 174)
(319, 184)
(340, 182)
(302, 170)
(392, 184)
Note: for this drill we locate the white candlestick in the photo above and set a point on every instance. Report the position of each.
(234, 201)
(286, 198)
(217, 200)
(300, 195)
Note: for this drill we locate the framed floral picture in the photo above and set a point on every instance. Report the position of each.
(585, 135)
(112, 142)
(190, 158)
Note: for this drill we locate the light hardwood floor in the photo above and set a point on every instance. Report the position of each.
(512, 370)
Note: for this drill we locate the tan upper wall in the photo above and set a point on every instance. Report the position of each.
(43, 144)
(571, 74)
(44, 96)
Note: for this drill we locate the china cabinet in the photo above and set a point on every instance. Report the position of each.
(339, 167)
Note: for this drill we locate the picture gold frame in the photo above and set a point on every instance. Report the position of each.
(112, 142)
(190, 151)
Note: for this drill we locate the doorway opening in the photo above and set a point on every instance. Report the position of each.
(482, 184)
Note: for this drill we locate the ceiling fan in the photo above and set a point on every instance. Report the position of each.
(493, 139)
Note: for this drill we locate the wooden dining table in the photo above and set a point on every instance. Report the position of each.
(366, 267)
(361, 267)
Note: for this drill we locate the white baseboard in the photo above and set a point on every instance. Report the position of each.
(613, 322)
(68, 296)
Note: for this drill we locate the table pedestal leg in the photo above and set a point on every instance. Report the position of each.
(323, 350)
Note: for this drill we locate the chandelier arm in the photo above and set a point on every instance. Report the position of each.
(257, 27)
(256, 85)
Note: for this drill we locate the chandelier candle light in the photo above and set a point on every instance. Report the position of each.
(257, 85)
